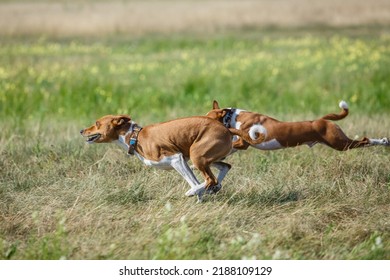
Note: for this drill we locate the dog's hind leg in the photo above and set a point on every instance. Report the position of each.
(343, 143)
(223, 169)
(334, 137)
(203, 166)
(347, 144)
(181, 166)
(380, 142)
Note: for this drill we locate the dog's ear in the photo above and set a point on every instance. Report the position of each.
(223, 112)
(215, 105)
(120, 120)
(219, 114)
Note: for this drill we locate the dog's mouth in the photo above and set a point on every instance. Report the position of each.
(92, 138)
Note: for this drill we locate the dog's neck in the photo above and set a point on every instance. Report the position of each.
(122, 137)
(230, 119)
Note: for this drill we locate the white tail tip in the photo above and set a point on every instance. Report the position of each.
(343, 105)
(257, 128)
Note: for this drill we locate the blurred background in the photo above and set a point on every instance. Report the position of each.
(172, 58)
(99, 17)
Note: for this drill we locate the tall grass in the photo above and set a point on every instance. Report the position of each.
(60, 198)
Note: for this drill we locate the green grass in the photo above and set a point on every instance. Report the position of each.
(157, 76)
(61, 198)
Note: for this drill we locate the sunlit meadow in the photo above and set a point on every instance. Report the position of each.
(44, 78)
(61, 198)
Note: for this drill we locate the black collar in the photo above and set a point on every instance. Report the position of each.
(228, 117)
(133, 139)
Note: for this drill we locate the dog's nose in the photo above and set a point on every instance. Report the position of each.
(82, 131)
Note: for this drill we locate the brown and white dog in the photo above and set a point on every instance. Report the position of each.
(169, 145)
(280, 135)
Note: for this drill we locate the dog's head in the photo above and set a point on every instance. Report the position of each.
(107, 129)
(217, 113)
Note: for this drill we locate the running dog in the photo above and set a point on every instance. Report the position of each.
(280, 135)
(169, 145)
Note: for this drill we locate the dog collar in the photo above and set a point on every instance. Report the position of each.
(133, 139)
(228, 117)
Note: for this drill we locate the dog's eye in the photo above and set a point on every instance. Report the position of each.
(97, 124)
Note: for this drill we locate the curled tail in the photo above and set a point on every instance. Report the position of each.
(256, 134)
(335, 117)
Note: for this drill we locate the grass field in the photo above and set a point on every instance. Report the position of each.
(63, 199)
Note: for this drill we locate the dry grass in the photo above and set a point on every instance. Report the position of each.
(65, 18)
(71, 200)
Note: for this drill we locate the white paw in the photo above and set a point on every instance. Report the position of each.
(191, 192)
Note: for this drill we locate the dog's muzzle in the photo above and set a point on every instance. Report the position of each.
(91, 138)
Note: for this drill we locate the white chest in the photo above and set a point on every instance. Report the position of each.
(165, 163)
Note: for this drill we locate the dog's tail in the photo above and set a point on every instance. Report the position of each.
(256, 134)
(335, 117)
